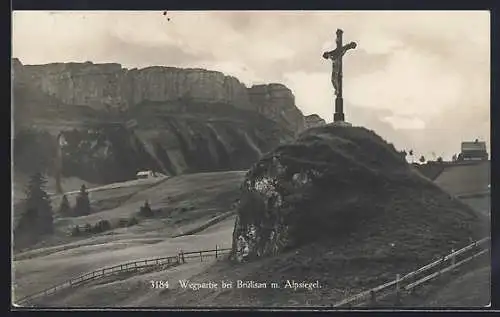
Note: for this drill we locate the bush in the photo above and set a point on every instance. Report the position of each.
(76, 231)
(101, 226)
(145, 210)
(106, 225)
(122, 223)
(87, 228)
(132, 221)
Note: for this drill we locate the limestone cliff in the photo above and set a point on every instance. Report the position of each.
(277, 102)
(187, 120)
(109, 86)
(313, 120)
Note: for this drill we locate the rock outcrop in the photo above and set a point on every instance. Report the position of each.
(277, 102)
(188, 120)
(314, 120)
(334, 183)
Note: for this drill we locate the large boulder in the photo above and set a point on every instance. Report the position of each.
(345, 183)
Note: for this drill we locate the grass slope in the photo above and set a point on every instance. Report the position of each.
(378, 219)
(211, 194)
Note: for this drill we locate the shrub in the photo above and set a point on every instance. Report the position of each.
(122, 223)
(105, 225)
(87, 228)
(132, 221)
(146, 210)
(76, 231)
(101, 226)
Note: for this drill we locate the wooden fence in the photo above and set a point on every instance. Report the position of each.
(410, 281)
(406, 283)
(135, 266)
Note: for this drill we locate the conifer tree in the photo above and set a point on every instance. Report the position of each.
(39, 210)
(65, 208)
(82, 207)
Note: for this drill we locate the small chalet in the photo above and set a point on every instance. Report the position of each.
(473, 151)
(145, 174)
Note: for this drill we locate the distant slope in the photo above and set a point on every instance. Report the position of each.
(465, 178)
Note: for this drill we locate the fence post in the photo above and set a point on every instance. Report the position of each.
(373, 299)
(201, 257)
(216, 251)
(181, 257)
(452, 257)
(397, 288)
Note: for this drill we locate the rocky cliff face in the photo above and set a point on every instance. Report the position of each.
(277, 102)
(313, 120)
(109, 86)
(188, 120)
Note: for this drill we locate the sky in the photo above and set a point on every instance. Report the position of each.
(420, 79)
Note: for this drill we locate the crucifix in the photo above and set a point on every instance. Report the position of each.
(336, 57)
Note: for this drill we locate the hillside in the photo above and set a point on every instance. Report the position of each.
(467, 180)
(363, 222)
(117, 121)
(180, 203)
(362, 227)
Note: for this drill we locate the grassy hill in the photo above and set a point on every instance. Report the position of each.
(367, 218)
(386, 220)
(182, 204)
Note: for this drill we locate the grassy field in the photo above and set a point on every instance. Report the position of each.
(62, 257)
(465, 178)
(367, 257)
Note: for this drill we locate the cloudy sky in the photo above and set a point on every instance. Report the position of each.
(419, 79)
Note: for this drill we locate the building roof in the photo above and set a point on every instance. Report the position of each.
(473, 146)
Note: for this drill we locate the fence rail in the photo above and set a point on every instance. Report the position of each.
(420, 276)
(134, 266)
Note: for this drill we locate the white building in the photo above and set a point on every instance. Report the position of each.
(145, 174)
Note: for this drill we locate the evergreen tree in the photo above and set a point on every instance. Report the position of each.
(65, 208)
(146, 210)
(39, 210)
(82, 207)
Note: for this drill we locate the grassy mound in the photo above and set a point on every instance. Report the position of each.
(339, 206)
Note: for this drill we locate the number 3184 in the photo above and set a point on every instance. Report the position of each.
(159, 284)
